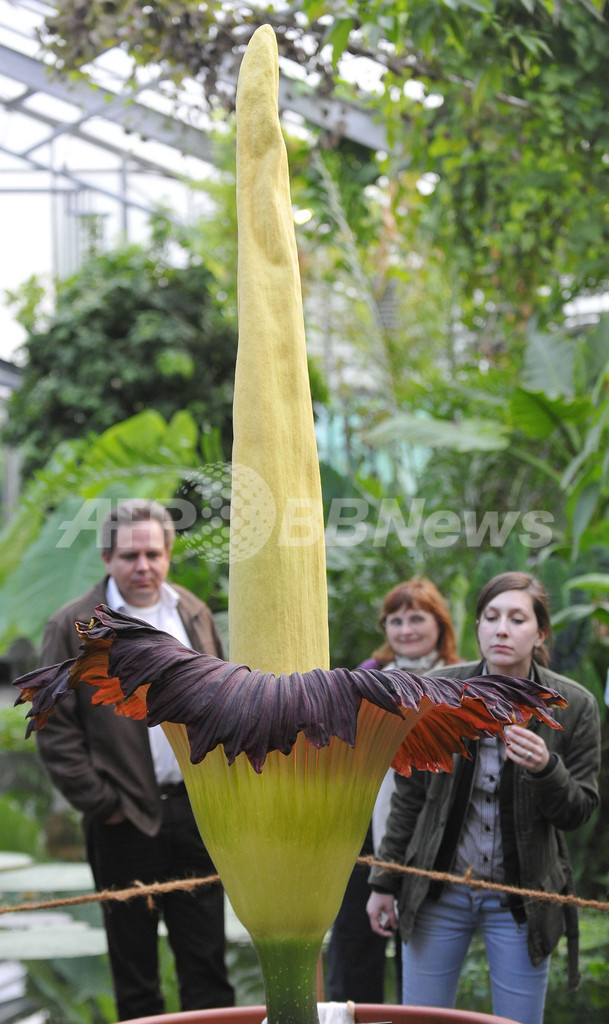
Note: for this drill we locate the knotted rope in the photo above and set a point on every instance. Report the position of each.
(188, 884)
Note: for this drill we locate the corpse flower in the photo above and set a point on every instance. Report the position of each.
(282, 762)
(282, 772)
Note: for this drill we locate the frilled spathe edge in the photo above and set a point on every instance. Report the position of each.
(253, 712)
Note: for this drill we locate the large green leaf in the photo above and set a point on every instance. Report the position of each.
(17, 830)
(48, 574)
(578, 612)
(589, 581)
(144, 452)
(48, 877)
(143, 457)
(463, 436)
(595, 536)
(582, 510)
(548, 365)
(538, 416)
(49, 935)
(595, 352)
(590, 447)
(83, 469)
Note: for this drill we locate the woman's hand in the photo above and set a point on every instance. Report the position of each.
(381, 913)
(526, 748)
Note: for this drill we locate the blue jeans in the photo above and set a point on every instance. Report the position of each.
(434, 955)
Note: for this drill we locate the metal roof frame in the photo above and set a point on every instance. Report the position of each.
(10, 375)
(99, 160)
(137, 120)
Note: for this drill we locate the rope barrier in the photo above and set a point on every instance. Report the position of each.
(188, 884)
(122, 895)
(478, 883)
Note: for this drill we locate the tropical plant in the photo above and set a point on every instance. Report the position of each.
(49, 550)
(528, 440)
(495, 113)
(133, 329)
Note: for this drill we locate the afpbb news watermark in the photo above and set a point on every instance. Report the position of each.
(349, 522)
(227, 513)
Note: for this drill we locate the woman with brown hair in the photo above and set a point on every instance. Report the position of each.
(499, 816)
(419, 636)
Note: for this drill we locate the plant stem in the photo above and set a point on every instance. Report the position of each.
(289, 970)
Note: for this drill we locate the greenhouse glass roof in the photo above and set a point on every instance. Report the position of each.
(76, 158)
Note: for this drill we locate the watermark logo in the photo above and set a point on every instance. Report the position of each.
(353, 521)
(227, 513)
(229, 526)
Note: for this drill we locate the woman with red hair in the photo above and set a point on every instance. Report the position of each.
(419, 637)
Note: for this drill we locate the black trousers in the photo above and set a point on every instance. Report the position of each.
(120, 855)
(356, 954)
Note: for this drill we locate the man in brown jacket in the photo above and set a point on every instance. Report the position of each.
(125, 781)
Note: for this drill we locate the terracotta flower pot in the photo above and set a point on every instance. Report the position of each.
(364, 1012)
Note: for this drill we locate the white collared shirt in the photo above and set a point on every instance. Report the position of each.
(162, 615)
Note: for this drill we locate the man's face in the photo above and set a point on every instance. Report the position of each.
(140, 562)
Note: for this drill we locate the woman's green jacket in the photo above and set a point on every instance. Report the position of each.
(539, 808)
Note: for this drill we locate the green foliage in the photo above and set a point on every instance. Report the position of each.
(357, 582)
(464, 436)
(498, 106)
(11, 730)
(18, 831)
(536, 497)
(48, 575)
(131, 331)
(25, 790)
(514, 144)
(49, 551)
(570, 416)
(145, 447)
(77, 990)
(245, 974)
(72, 991)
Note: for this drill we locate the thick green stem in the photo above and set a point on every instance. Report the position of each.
(289, 970)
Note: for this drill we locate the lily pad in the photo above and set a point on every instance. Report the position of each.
(48, 878)
(48, 935)
(9, 860)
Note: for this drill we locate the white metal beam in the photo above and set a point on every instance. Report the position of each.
(133, 117)
(134, 159)
(10, 375)
(337, 117)
(79, 182)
